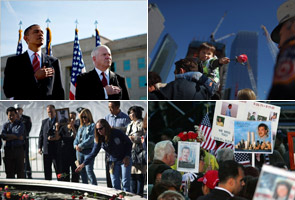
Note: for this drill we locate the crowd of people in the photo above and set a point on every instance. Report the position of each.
(71, 147)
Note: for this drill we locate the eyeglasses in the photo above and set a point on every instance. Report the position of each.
(99, 129)
(83, 117)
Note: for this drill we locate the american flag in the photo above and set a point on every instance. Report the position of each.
(205, 126)
(19, 49)
(97, 37)
(243, 158)
(78, 66)
(48, 42)
(224, 145)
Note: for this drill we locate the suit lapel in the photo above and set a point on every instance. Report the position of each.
(113, 78)
(95, 78)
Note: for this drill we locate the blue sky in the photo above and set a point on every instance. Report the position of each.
(116, 19)
(197, 19)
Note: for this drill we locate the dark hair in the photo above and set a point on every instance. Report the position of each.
(228, 169)
(185, 64)
(229, 105)
(206, 46)
(116, 103)
(185, 147)
(104, 123)
(159, 188)
(73, 113)
(285, 183)
(10, 109)
(50, 106)
(249, 189)
(173, 176)
(29, 28)
(153, 78)
(137, 111)
(263, 125)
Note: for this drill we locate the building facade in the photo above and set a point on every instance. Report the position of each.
(238, 75)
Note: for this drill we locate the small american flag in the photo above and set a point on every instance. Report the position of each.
(205, 126)
(243, 158)
(97, 37)
(78, 66)
(48, 42)
(19, 49)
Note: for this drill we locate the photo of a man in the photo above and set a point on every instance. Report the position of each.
(185, 161)
(263, 131)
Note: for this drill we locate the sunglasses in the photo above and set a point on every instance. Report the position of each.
(83, 117)
(99, 129)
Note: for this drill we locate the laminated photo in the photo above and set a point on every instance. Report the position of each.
(188, 156)
(253, 137)
(275, 183)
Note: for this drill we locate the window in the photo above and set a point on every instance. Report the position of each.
(142, 81)
(141, 63)
(126, 64)
(128, 81)
(114, 67)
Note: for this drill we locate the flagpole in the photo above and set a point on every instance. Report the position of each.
(95, 23)
(20, 24)
(253, 159)
(48, 21)
(76, 23)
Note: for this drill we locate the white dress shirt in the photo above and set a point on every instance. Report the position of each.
(106, 73)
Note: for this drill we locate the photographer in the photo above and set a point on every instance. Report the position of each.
(49, 141)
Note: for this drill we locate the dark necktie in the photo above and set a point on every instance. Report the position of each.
(36, 62)
(104, 80)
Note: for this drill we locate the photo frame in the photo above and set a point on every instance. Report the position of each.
(188, 156)
(291, 141)
(62, 115)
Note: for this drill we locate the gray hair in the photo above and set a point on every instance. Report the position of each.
(95, 50)
(224, 154)
(172, 176)
(170, 195)
(163, 148)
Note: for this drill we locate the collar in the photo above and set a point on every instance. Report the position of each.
(30, 52)
(116, 114)
(223, 189)
(106, 72)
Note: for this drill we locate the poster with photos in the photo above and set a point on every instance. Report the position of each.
(62, 115)
(253, 137)
(227, 112)
(275, 183)
(188, 156)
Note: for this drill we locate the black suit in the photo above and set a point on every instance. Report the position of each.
(182, 89)
(20, 82)
(51, 149)
(89, 87)
(26, 120)
(216, 194)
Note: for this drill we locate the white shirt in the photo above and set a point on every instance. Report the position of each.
(106, 74)
(220, 188)
(32, 56)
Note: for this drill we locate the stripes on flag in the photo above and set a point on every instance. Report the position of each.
(19, 49)
(78, 66)
(48, 42)
(224, 145)
(243, 158)
(205, 126)
(97, 38)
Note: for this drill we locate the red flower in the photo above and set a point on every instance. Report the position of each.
(242, 58)
(80, 197)
(73, 196)
(59, 176)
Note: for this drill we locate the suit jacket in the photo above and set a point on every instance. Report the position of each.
(216, 194)
(182, 89)
(26, 120)
(20, 82)
(89, 87)
(47, 129)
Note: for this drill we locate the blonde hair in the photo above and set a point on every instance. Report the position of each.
(88, 114)
(246, 94)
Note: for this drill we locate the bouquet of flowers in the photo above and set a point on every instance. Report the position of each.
(191, 136)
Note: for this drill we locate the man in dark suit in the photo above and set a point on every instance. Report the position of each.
(49, 143)
(231, 176)
(182, 89)
(33, 75)
(101, 83)
(26, 120)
